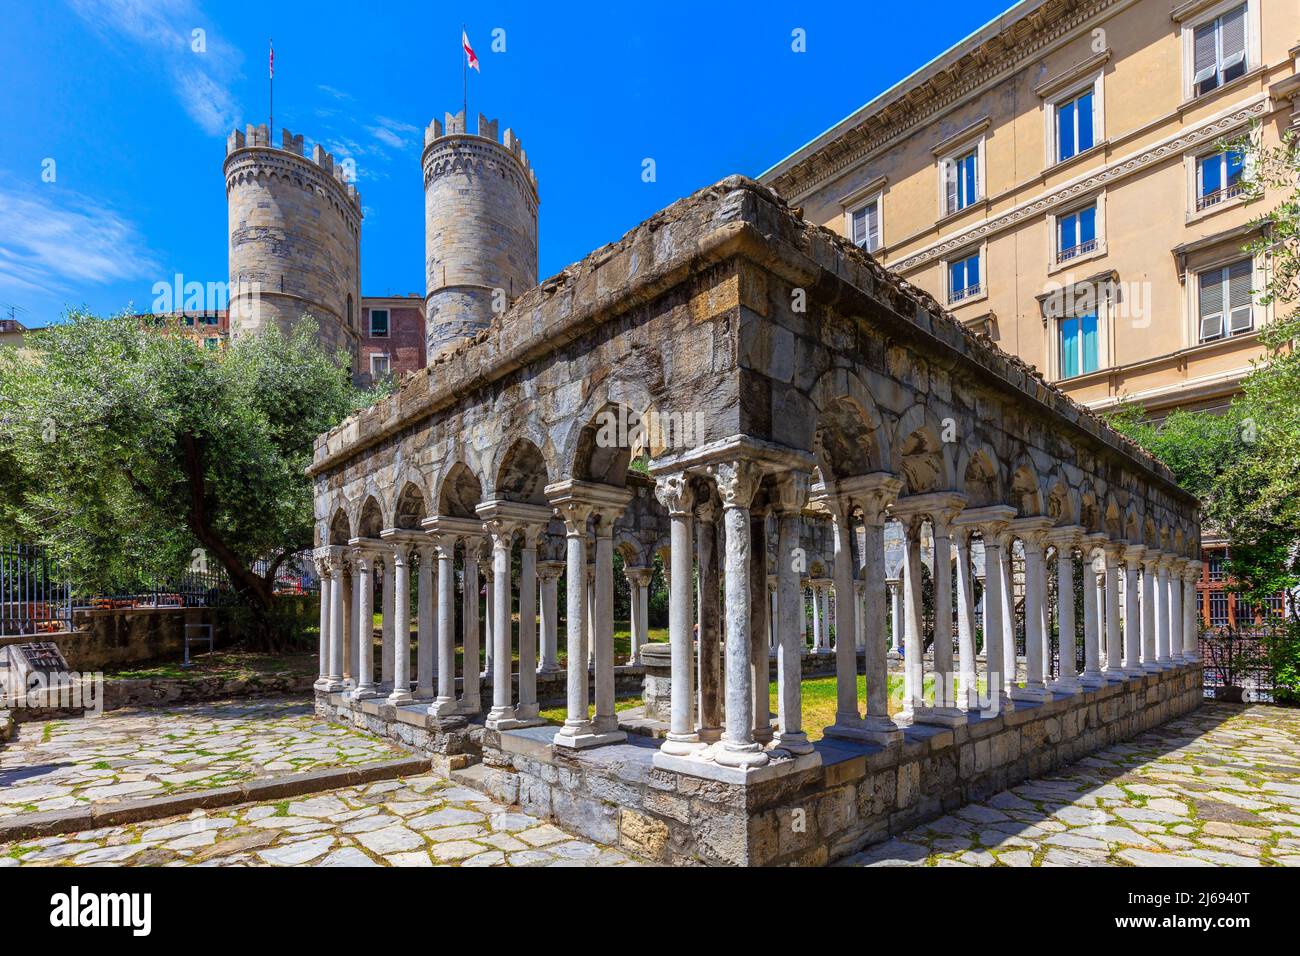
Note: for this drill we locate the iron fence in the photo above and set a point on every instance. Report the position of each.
(35, 597)
(1238, 657)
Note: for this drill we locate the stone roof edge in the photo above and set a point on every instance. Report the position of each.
(524, 333)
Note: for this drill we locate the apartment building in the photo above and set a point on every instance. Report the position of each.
(391, 337)
(1058, 180)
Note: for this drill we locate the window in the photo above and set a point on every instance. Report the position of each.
(1225, 306)
(1077, 343)
(1219, 178)
(379, 323)
(211, 344)
(961, 180)
(379, 364)
(209, 320)
(189, 320)
(1076, 233)
(866, 226)
(963, 278)
(1074, 125)
(1219, 50)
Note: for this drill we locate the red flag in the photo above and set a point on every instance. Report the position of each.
(470, 58)
(272, 62)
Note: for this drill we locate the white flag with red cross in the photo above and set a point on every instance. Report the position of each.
(470, 58)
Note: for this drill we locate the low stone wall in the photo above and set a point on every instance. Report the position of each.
(113, 637)
(808, 815)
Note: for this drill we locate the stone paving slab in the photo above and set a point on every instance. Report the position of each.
(1218, 787)
(60, 765)
(415, 821)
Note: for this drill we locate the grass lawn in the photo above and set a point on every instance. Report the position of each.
(230, 663)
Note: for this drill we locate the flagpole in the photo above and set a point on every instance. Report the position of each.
(270, 89)
(464, 81)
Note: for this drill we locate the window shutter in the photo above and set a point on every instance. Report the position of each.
(859, 226)
(873, 226)
(1211, 304)
(1088, 328)
(1204, 55)
(950, 184)
(1233, 32)
(1239, 299)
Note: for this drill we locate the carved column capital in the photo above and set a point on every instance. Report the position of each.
(675, 493)
(737, 482)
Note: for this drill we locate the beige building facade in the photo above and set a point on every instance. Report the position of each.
(1058, 180)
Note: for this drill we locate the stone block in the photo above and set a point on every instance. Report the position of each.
(643, 835)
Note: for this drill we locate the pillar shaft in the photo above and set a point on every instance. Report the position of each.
(793, 490)
(503, 711)
(996, 680)
(967, 688)
(366, 636)
(471, 698)
(676, 494)
(605, 720)
(401, 605)
(425, 625)
(527, 708)
(709, 616)
(386, 623)
(576, 723)
(445, 703)
(846, 657)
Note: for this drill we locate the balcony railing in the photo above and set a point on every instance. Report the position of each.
(959, 295)
(1231, 191)
(1082, 249)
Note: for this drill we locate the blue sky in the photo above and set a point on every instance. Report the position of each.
(110, 97)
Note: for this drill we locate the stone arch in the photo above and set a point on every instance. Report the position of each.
(839, 394)
(459, 492)
(410, 508)
(522, 474)
(1062, 504)
(844, 441)
(981, 483)
(371, 520)
(603, 449)
(1025, 494)
(1132, 526)
(340, 529)
(1090, 516)
(921, 459)
(1150, 536)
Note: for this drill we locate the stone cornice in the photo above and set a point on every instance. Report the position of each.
(1172, 146)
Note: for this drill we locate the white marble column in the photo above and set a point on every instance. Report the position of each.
(678, 498)
(967, 681)
(759, 662)
(591, 609)
(577, 725)
(737, 482)
(895, 618)
(489, 614)
(471, 701)
(1009, 660)
(1132, 611)
(1191, 613)
(444, 705)
(1065, 539)
(385, 561)
(846, 657)
(527, 710)
(913, 624)
(1032, 532)
(426, 661)
(1174, 604)
(945, 691)
(1164, 631)
(997, 682)
(1149, 613)
(791, 496)
(605, 720)
(773, 618)
(502, 714)
(637, 610)
(819, 647)
(323, 575)
(338, 623)
(550, 624)
(709, 621)
(365, 614)
(1091, 677)
(1112, 552)
(399, 557)
(349, 618)
(361, 630)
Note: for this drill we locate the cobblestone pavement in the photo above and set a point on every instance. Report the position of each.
(417, 821)
(1219, 787)
(126, 755)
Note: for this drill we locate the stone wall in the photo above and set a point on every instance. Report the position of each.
(110, 638)
(859, 795)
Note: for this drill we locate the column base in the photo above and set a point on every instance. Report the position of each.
(549, 668)
(764, 735)
(1067, 685)
(744, 755)
(589, 738)
(1114, 675)
(941, 716)
(1031, 694)
(500, 717)
(399, 698)
(425, 693)
(1166, 663)
(682, 745)
(469, 706)
(443, 707)
(872, 730)
(794, 743)
(366, 693)
(822, 651)
(1091, 680)
(709, 735)
(320, 684)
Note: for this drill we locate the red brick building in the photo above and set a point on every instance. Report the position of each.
(392, 337)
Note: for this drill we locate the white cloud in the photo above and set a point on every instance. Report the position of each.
(164, 31)
(55, 241)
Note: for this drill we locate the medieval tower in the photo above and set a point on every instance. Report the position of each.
(295, 239)
(480, 229)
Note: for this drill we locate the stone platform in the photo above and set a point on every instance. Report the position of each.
(856, 795)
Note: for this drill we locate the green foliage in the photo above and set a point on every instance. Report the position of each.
(126, 447)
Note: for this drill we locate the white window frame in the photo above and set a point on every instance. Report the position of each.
(1096, 86)
(1103, 305)
(971, 139)
(388, 364)
(877, 200)
(1056, 263)
(1192, 176)
(388, 324)
(1221, 265)
(982, 292)
(1197, 13)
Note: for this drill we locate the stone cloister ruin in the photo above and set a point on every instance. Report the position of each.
(805, 400)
